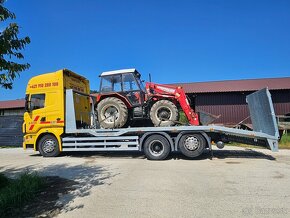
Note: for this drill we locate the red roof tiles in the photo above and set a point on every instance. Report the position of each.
(19, 103)
(236, 85)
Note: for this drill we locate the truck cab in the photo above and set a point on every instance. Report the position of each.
(44, 115)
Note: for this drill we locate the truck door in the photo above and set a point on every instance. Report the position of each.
(35, 112)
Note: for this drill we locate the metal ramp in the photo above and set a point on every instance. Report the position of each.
(263, 116)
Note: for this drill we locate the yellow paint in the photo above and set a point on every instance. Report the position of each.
(51, 118)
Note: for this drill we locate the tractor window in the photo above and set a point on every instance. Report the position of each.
(111, 84)
(37, 101)
(129, 83)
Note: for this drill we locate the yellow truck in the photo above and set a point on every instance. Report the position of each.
(60, 117)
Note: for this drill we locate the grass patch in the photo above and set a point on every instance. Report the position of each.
(182, 118)
(235, 144)
(4, 181)
(284, 143)
(14, 193)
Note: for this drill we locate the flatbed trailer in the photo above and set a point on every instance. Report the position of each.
(158, 142)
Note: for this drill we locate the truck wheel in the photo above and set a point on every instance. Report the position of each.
(192, 145)
(156, 147)
(164, 113)
(48, 146)
(112, 113)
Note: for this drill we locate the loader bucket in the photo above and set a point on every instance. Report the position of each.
(206, 118)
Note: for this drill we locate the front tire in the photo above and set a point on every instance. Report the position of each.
(192, 145)
(48, 146)
(164, 113)
(112, 113)
(156, 147)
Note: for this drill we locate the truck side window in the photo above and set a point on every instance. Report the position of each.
(37, 101)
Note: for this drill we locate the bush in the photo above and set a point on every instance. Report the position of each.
(4, 181)
(17, 192)
(285, 141)
(182, 118)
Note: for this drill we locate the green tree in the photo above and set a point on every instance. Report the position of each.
(10, 47)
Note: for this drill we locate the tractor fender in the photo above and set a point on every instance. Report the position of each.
(142, 139)
(207, 138)
(116, 95)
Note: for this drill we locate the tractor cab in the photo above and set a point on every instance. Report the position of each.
(126, 83)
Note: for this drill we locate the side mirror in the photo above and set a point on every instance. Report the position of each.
(28, 106)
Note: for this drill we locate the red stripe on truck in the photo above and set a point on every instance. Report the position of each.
(34, 121)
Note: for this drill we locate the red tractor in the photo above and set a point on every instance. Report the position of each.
(123, 98)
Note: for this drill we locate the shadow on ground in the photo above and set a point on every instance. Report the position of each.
(224, 154)
(248, 153)
(219, 154)
(63, 184)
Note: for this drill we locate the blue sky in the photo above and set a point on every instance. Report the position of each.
(175, 41)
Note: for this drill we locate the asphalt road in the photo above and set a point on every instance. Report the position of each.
(236, 183)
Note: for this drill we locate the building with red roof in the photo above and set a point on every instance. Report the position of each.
(228, 98)
(12, 107)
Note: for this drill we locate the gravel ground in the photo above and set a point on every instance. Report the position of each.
(237, 182)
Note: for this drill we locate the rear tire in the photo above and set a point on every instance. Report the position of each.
(192, 145)
(48, 146)
(110, 108)
(156, 147)
(164, 113)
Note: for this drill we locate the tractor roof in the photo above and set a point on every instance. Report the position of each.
(108, 73)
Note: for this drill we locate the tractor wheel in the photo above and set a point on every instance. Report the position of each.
(164, 113)
(112, 113)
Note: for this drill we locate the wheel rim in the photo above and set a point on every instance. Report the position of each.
(156, 148)
(110, 114)
(49, 146)
(191, 143)
(163, 114)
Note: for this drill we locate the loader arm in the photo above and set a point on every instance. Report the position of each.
(167, 91)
